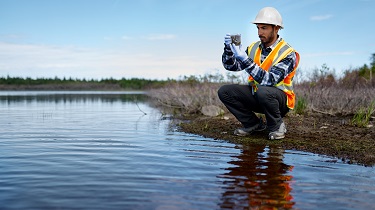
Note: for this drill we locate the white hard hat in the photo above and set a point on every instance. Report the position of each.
(269, 15)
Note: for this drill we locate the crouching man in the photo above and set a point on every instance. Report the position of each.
(271, 64)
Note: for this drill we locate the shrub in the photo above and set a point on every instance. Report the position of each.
(362, 117)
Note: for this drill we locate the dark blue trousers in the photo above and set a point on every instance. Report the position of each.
(269, 101)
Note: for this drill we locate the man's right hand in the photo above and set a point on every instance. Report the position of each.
(227, 39)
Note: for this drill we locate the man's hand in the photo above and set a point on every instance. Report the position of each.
(227, 39)
(238, 52)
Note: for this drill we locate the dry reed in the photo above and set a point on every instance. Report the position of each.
(323, 94)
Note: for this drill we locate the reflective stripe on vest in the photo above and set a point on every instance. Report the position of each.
(281, 50)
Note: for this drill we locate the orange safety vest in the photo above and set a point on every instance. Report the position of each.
(281, 50)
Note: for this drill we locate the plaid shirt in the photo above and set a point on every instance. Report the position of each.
(268, 78)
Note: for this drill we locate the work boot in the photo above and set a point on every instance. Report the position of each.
(247, 131)
(278, 134)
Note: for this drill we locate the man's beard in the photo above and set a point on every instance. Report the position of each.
(266, 41)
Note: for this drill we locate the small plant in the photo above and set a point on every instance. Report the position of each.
(362, 117)
(301, 105)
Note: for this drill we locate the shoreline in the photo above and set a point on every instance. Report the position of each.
(314, 132)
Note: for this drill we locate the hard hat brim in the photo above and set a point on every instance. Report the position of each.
(256, 22)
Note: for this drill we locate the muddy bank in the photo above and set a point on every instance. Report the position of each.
(315, 132)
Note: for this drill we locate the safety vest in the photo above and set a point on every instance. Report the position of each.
(281, 50)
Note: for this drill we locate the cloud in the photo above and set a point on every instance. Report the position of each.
(320, 17)
(160, 37)
(31, 60)
(11, 36)
(126, 37)
(48, 61)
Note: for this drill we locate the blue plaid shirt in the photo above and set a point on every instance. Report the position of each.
(268, 78)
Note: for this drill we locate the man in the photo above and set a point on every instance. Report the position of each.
(271, 64)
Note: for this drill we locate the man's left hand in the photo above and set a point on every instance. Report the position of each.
(238, 52)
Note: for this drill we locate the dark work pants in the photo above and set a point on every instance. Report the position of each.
(269, 101)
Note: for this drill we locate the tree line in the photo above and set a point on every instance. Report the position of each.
(15, 83)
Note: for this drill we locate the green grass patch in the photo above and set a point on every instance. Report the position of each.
(362, 117)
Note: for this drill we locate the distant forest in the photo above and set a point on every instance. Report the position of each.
(19, 83)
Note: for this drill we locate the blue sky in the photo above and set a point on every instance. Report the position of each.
(160, 39)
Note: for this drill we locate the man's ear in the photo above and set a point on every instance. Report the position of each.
(277, 28)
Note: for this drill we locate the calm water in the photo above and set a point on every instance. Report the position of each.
(98, 150)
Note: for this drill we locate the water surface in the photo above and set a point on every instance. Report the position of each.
(111, 150)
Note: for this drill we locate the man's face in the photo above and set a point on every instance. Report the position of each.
(267, 34)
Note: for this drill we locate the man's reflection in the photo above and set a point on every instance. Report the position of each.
(258, 179)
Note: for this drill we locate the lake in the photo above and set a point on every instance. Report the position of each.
(112, 150)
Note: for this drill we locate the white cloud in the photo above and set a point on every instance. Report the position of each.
(27, 60)
(321, 17)
(160, 36)
(12, 36)
(126, 37)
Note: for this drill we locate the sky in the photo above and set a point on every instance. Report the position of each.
(169, 39)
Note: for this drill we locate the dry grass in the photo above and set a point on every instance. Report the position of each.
(336, 100)
(185, 97)
(333, 100)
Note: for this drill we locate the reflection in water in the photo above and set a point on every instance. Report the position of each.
(258, 179)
